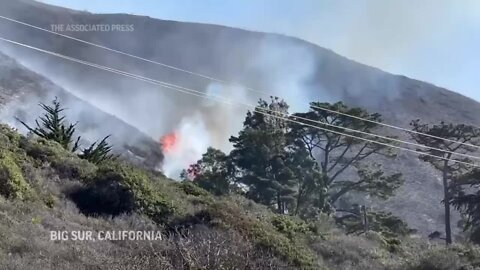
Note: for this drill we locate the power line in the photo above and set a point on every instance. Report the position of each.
(226, 82)
(221, 99)
(395, 127)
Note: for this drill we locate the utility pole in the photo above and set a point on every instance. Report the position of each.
(365, 218)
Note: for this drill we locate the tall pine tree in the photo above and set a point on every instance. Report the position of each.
(457, 135)
(336, 153)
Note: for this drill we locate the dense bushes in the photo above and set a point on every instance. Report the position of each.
(67, 164)
(118, 188)
(439, 258)
(111, 188)
(290, 226)
(12, 182)
(227, 215)
(191, 189)
(104, 198)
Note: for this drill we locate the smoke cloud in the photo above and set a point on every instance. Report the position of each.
(214, 122)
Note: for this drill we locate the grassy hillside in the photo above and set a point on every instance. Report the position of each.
(44, 188)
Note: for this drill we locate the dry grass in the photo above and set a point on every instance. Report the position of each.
(25, 244)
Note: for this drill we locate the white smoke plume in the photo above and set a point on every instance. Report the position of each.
(189, 140)
(217, 121)
(198, 122)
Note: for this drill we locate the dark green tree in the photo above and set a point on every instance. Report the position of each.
(336, 153)
(457, 136)
(467, 201)
(311, 193)
(213, 172)
(53, 126)
(262, 158)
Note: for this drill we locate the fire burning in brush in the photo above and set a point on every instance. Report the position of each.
(184, 145)
(169, 142)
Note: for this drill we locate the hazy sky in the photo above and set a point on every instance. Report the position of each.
(432, 40)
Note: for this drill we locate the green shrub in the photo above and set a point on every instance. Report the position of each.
(436, 259)
(288, 249)
(12, 182)
(67, 164)
(49, 201)
(10, 141)
(11, 136)
(263, 234)
(104, 197)
(453, 257)
(289, 226)
(191, 189)
(340, 251)
(469, 253)
(388, 242)
(118, 187)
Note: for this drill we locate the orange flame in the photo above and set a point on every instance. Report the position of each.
(169, 142)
